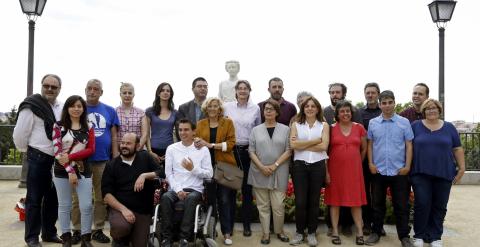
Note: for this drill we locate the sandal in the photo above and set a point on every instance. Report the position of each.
(359, 240)
(336, 240)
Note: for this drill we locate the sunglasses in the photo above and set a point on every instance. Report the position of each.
(49, 87)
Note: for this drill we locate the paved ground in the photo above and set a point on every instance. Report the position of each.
(462, 225)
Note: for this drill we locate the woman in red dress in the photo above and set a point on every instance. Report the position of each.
(348, 146)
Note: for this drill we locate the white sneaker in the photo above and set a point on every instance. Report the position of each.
(417, 242)
(436, 243)
(228, 241)
(312, 239)
(297, 239)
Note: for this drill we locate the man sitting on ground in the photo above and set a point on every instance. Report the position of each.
(129, 197)
(185, 168)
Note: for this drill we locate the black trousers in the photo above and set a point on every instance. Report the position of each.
(242, 158)
(400, 189)
(41, 204)
(308, 180)
(367, 210)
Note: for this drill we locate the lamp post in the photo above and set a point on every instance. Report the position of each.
(441, 12)
(33, 9)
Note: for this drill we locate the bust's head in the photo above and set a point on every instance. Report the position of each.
(232, 67)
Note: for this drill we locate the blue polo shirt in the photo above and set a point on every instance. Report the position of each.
(389, 137)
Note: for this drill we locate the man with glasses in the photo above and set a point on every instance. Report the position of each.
(33, 134)
(192, 109)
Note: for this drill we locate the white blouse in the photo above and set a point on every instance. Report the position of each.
(305, 133)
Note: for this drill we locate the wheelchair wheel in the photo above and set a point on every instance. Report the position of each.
(211, 232)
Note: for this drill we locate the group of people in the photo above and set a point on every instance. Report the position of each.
(355, 153)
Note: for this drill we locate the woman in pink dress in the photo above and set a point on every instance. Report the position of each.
(348, 146)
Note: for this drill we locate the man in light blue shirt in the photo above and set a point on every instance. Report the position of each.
(389, 156)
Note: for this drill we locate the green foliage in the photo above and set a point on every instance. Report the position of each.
(6, 141)
(14, 157)
(400, 107)
(359, 105)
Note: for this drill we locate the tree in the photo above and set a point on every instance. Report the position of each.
(12, 115)
(399, 107)
(359, 105)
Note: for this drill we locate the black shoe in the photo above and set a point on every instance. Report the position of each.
(53, 239)
(76, 237)
(183, 243)
(372, 239)
(282, 237)
(166, 243)
(34, 243)
(265, 241)
(67, 239)
(100, 237)
(86, 240)
(247, 233)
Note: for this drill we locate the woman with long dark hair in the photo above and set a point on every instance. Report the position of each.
(309, 138)
(73, 141)
(161, 118)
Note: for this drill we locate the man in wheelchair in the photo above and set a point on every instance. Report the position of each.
(128, 194)
(185, 168)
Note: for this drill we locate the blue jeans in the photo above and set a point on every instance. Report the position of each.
(64, 193)
(168, 201)
(41, 203)
(226, 208)
(431, 198)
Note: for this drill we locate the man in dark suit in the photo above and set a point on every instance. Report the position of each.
(192, 109)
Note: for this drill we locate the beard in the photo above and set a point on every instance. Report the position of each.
(127, 153)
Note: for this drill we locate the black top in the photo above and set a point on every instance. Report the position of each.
(119, 180)
(213, 138)
(270, 131)
(368, 113)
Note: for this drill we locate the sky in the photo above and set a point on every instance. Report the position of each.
(308, 44)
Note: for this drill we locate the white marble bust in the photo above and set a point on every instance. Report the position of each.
(226, 91)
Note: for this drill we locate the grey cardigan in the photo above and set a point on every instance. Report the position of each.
(268, 150)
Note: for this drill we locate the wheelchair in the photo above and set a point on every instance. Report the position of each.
(204, 232)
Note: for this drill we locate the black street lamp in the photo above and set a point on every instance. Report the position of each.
(441, 12)
(33, 9)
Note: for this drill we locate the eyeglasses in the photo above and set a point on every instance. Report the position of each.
(432, 109)
(50, 87)
(269, 109)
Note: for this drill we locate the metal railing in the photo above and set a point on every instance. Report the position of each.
(9, 155)
(471, 145)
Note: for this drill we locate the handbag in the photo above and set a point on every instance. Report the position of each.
(228, 175)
